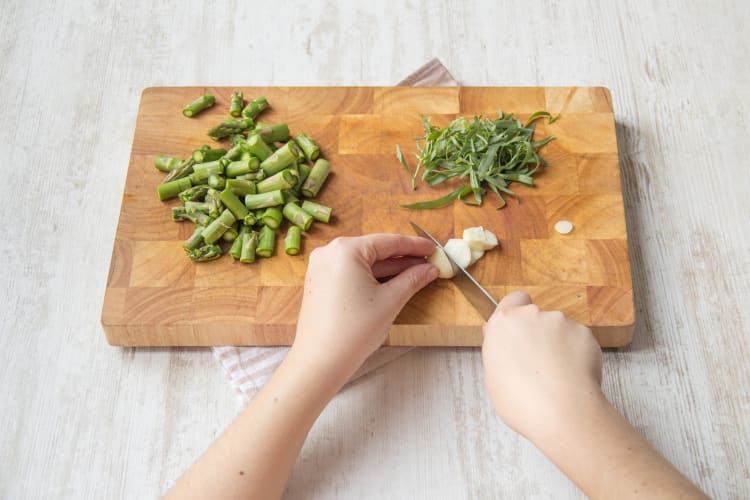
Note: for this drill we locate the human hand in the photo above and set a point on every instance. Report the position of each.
(540, 366)
(346, 312)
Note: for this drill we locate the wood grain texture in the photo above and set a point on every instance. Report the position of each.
(85, 421)
(169, 300)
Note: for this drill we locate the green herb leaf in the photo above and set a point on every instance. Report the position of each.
(441, 202)
(491, 153)
(413, 176)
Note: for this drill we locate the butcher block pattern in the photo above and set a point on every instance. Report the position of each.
(156, 296)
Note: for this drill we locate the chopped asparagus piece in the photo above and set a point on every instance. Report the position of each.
(236, 250)
(195, 240)
(272, 217)
(282, 158)
(292, 240)
(281, 180)
(166, 163)
(264, 200)
(217, 228)
(206, 154)
(319, 212)
(205, 253)
(172, 188)
(297, 216)
(240, 187)
(241, 167)
(229, 127)
(230, 235)
(236, 102)
(250, 242)
(196, 206)
(203, 102)
(257, 147)
(272, 133)
(266, 242)
(181, 171)
(317, 177)
(308, 146)
(255, 107)
(195, 193)
(216, 181)
(215, 206)
(233, 203)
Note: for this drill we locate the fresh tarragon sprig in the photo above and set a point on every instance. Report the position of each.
(490, 154)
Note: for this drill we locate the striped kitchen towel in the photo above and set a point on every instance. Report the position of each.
(249, 368)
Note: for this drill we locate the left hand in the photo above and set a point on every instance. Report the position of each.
(346, 313)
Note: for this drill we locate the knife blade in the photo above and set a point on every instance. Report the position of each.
(475, 293)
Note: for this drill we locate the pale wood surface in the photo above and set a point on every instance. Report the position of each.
(84, 420)
(157, 297)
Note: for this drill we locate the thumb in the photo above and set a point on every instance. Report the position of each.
(405, 284)
(514, 299)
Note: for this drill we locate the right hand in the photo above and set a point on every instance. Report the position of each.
(540, 366)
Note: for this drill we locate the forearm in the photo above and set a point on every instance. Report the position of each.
(254, 456)
(607, 458)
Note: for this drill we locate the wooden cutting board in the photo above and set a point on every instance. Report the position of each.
(156, 296)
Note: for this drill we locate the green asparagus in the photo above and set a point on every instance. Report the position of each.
(240, 187)
(292, 240)
(198, 105)
(205, 253)
(215, 206)
(205, 154)
(319, 212)
(213, 231)
(216, 181)
(228, 127)
(195, 193)
(196, 206)
(264, 200)
(296, 215)
(172, 188)
(236, 102)
(266, 242)
(255, 107)
(272, 133)
(256, 181)
(166, 163)
(257, 147)
(233, 203)
(280, 159)
(236, 250)
(272, 217)
(282, 180)
(308, 146)
(195, 240)
(181, 171)
(249, 246)
(317, 177)
(241, 167)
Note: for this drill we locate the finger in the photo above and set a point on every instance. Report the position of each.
(514, 299)
(395, 265)
(404, 285)
(376, 247)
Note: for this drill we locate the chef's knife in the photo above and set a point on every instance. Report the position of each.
(470, 287)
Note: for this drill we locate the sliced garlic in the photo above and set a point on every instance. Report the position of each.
(564, 226)
(479, 238)
(475, 256)
(444, 266)
(459, 251)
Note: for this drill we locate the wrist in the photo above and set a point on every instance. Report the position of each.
(570, 415)
(318, 369)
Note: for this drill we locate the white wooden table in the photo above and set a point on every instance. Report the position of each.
(82, 420)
